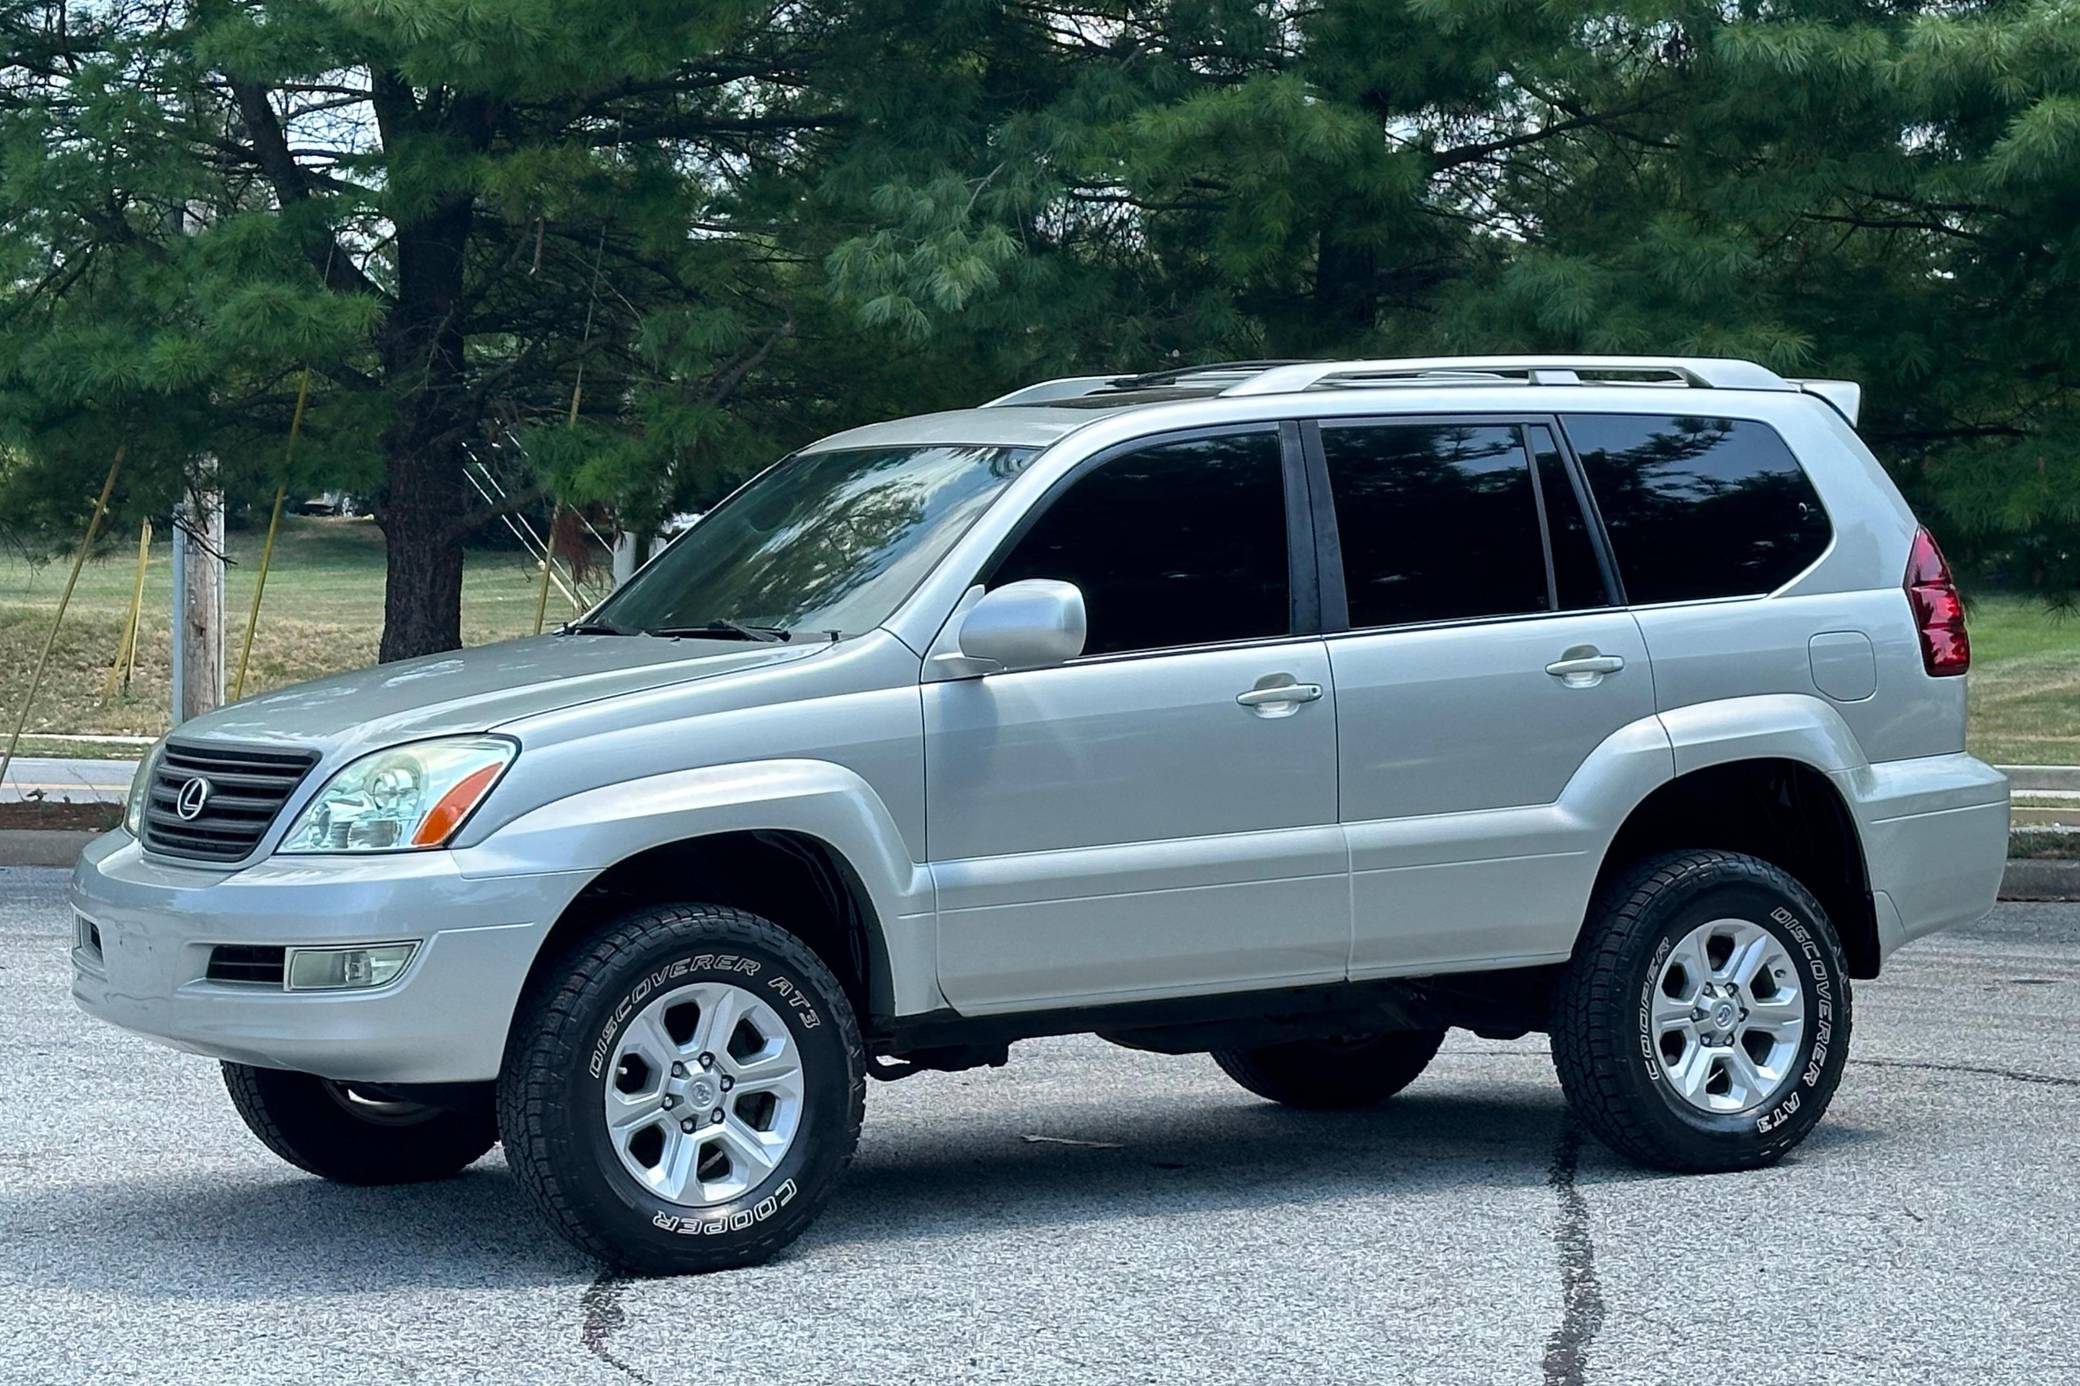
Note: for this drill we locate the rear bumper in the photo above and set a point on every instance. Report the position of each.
(443, 1020)
(1935, 841)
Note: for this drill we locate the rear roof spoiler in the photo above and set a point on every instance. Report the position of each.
(1845, 395)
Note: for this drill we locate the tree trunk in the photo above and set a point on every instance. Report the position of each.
(423, 486)
(423, 344)
(423, 498)
(422, 585)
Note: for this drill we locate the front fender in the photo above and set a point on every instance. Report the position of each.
(598, 828)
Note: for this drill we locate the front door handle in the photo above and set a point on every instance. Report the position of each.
(1278, 695)
(1584, 666)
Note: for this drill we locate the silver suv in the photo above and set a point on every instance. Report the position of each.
(1293, 713)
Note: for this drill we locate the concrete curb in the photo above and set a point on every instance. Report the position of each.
(42, 846)
(2041, 879)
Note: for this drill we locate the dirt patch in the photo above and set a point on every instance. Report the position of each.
(98, 818)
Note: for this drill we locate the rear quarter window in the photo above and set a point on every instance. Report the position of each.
(1697, 506)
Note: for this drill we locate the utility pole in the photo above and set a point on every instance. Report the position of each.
(198, 600)
(198, 573)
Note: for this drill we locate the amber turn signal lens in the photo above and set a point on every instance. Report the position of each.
(454, 807)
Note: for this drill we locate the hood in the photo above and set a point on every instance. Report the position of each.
(476, 690)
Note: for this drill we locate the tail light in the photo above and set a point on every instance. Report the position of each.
(1938, 611)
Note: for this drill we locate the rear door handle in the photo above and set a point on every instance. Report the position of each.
(1279, 693)
(1584, 666)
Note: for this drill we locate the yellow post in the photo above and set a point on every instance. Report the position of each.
(126, 651)
(79, 561)
(274, 520)
(245, 653)
(130, 669)
(541, 601)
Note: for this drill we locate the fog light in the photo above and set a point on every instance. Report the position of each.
(339, 969)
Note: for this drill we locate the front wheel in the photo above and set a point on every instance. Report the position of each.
(682, 1094)
(1704, 1020)
(357, 1135)
(1354, 1072)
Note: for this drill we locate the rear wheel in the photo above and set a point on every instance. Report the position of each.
(1704, 1020)
(356, 1134)
(684, 1092)
(1342, 1072)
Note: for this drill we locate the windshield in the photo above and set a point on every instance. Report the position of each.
(824, 542)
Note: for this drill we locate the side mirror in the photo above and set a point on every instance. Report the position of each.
(1026, 625)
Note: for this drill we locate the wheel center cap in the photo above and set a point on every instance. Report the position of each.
(701, 1090)
(1723, 1015)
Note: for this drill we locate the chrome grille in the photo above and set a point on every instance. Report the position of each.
(247, 787)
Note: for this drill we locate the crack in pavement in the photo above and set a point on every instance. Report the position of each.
(1581, 1294)
(1566, 1361)
(603, 1314)
(2013, 1075)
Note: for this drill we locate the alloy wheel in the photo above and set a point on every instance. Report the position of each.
(704, 1097)
(1727, 1017)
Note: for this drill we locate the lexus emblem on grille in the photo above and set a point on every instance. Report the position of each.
(194, 794)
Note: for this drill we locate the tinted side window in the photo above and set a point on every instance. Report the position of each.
(1178, 544)
(1577, 577)
(1698, 507)
(1437, 522)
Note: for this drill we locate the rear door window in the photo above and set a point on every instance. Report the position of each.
(1436, 522)
(1698, 507)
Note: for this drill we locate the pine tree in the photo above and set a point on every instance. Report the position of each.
(451, 213)
(745, 225)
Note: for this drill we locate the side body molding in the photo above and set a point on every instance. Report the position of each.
(591, 831)
(1525, 873)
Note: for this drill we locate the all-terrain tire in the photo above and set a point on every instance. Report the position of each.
(338, 1132)
(558, 1063)
(1604, 1041)
(1327, 1073)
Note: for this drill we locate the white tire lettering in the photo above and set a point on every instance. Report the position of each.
(732, 1222)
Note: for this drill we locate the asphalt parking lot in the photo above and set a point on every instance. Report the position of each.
(1460, 1234)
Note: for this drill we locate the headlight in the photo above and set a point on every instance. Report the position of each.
(402, 799)
(140, 790)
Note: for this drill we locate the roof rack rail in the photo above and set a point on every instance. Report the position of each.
(1239, 379)
(1705, 372)
(1046, 391)
(1076, 386)
(1181, 374)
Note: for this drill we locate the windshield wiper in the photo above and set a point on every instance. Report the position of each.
(726, 629)
(592, 628)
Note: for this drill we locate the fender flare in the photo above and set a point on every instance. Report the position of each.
(1788, 729)
(1764, 726)
(1623, 774)
(587, 833)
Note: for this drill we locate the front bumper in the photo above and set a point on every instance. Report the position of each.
(443, 1020)
(1935, 841)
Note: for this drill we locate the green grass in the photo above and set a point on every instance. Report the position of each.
(2025, 683)
(323, 613)
(324, 610)
(70, 750)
